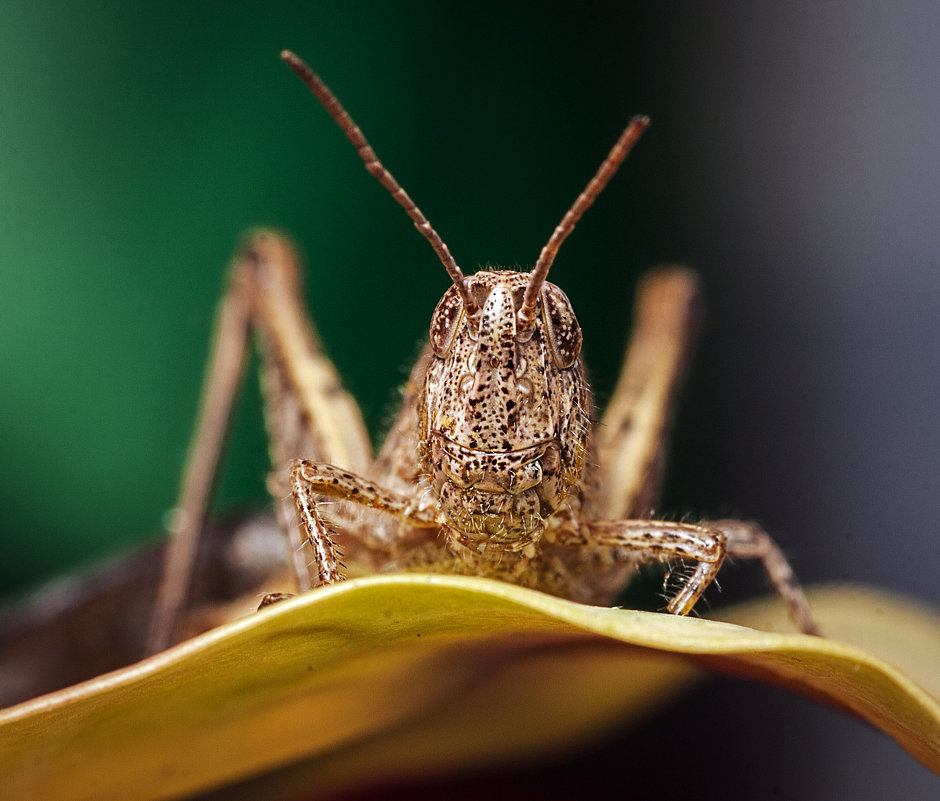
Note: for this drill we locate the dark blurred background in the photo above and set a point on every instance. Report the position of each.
(793, 161)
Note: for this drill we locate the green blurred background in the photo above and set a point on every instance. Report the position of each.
(792, 160)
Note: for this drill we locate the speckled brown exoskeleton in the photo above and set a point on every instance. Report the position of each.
(496, 465)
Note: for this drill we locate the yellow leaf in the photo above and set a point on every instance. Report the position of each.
(397, 675)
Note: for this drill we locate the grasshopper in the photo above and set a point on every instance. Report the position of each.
(495, 465)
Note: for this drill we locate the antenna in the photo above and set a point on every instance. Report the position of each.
(620, 150)
(376, 168)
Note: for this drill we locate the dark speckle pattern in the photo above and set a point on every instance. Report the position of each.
(497, 398)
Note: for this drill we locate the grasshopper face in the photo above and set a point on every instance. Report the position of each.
(505, 412)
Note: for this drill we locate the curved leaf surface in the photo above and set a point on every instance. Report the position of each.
(394, 675)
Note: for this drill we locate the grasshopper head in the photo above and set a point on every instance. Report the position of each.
(506, 410)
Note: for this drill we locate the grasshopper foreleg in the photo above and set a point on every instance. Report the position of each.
(656, 541)
(310, 480)
(707, 544)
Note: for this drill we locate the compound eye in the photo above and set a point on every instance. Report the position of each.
(445, 321)
(564, 333)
